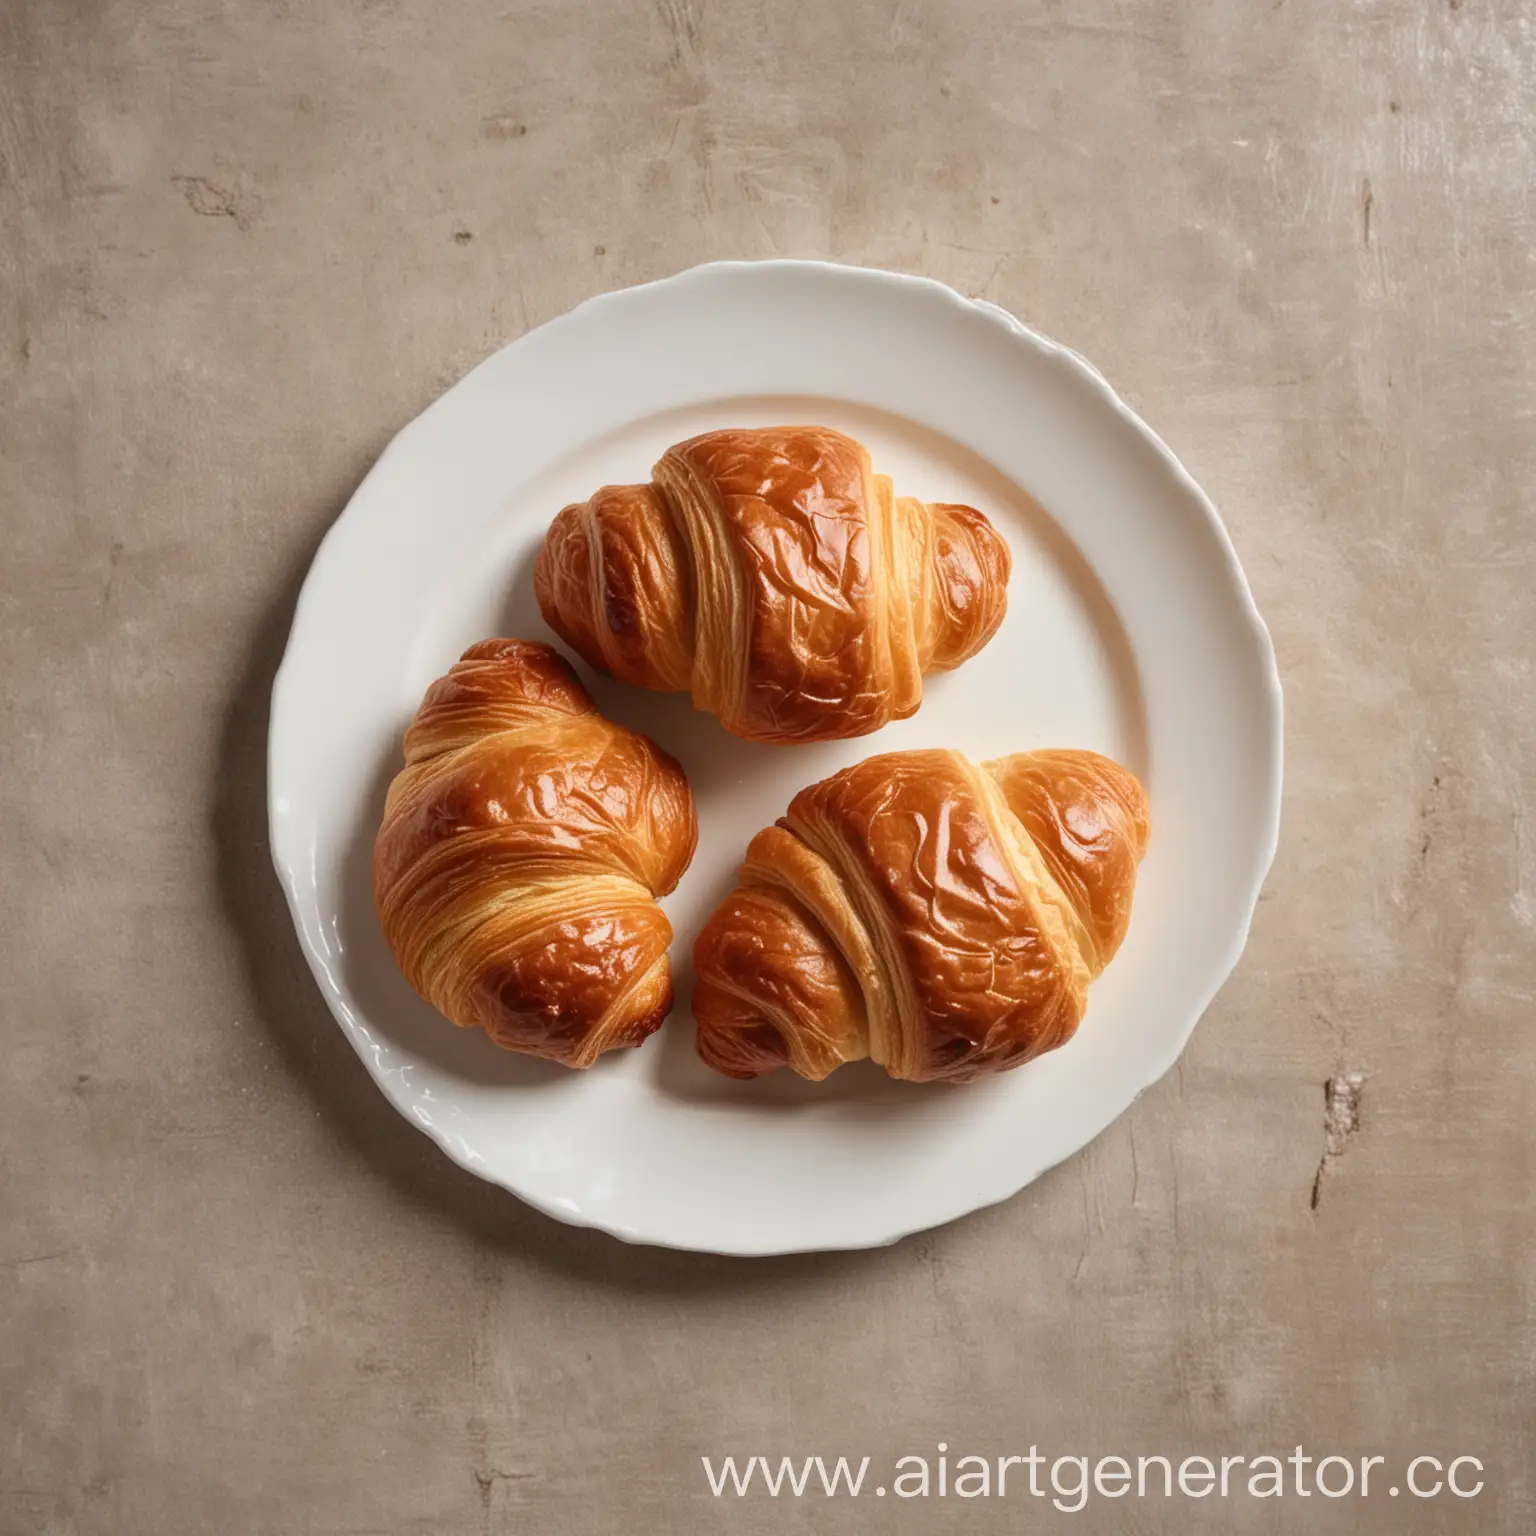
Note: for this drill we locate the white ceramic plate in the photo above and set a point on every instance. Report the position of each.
(1130, 630)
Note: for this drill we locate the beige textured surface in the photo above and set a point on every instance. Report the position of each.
(242, 244)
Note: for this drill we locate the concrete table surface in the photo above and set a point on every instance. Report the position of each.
(241, 245)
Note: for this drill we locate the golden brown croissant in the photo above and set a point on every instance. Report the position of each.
(523, 847)
(772, 574)
(941, 917)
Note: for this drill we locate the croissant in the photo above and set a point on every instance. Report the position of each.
(774, 575)
(522, 850)
(941, 917)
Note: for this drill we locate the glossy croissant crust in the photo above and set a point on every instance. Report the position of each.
(772, 574)
(522, 850)
(941, 917)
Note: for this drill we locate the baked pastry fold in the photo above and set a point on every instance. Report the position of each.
(772, 574)
(941, 917)
(521, 853)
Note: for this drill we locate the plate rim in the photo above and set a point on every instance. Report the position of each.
(1054, 352)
